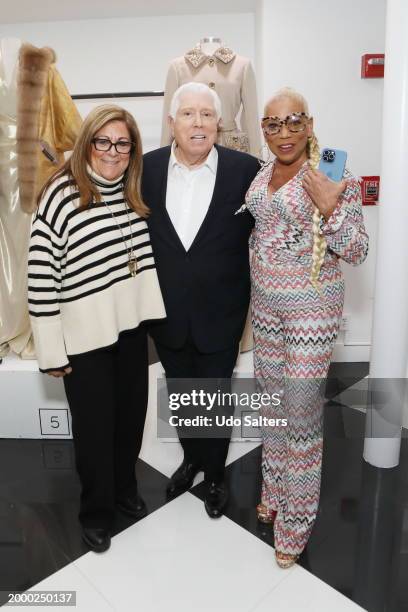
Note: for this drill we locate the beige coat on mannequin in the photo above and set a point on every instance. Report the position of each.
(232, 77)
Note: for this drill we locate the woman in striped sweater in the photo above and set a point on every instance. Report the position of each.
(304, 223)
(92, 285)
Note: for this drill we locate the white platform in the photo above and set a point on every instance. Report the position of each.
(33, 405)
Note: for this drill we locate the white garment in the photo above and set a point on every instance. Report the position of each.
(15, 225)
(189, 194)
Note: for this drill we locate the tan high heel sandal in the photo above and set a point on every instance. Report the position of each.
(264, 515)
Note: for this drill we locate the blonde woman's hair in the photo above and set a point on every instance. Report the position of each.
(313, 154)
(292, 94)
(319, 241)
(76, 165)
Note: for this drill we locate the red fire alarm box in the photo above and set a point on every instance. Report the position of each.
(372, 66)
(370, 188)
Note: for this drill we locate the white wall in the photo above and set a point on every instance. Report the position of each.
(316, 46)
(132, 54)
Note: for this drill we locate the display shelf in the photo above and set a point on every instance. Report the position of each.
(31, 405)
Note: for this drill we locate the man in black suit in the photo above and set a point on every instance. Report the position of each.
(193, 190)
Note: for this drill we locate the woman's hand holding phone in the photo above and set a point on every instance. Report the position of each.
(323, 192)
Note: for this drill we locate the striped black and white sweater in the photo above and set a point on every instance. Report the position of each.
(81, 294)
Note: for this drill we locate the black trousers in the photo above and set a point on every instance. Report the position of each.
(107, 394)
(189, 363)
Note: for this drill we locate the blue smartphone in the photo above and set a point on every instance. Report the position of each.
(332, 163)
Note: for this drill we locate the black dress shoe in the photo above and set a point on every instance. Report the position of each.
(98, 539)
(182, 478)
(215, 499)
(132, 506)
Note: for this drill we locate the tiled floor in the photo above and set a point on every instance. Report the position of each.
(178, 559)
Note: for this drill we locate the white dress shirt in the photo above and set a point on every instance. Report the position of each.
(189, 194)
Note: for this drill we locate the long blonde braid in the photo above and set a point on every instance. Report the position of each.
(319, 241)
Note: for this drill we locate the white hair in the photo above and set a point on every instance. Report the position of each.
(194, 87)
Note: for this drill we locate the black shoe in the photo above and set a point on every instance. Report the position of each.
(182, 478)
(215, 499)
(98, 539)
(132, 506)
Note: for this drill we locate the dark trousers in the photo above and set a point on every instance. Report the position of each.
(189, 363)
(107, 395)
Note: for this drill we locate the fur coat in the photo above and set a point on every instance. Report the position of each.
(47, 122)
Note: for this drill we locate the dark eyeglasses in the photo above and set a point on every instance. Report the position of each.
(121, 146)
(295, 122)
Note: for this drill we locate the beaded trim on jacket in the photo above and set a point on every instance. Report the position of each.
(196, 57)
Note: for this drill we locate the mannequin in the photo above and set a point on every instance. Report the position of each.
(32, 109)
(232, 77)
(15, 226)
(210, 44)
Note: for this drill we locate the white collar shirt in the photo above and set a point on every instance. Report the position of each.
(189, 194)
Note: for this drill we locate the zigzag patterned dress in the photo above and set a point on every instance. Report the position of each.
(295, 327)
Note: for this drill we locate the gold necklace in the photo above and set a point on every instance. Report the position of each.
(132, 260)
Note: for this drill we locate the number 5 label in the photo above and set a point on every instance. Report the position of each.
(54, 422)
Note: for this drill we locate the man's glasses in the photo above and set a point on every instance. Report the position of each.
(295, 122)
(121, 146)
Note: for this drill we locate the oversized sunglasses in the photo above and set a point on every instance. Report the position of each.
(295, 122)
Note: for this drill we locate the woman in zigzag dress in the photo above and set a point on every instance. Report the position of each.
(304, 224)
(92, 284)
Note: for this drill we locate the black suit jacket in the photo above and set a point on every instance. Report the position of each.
(206, 289)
